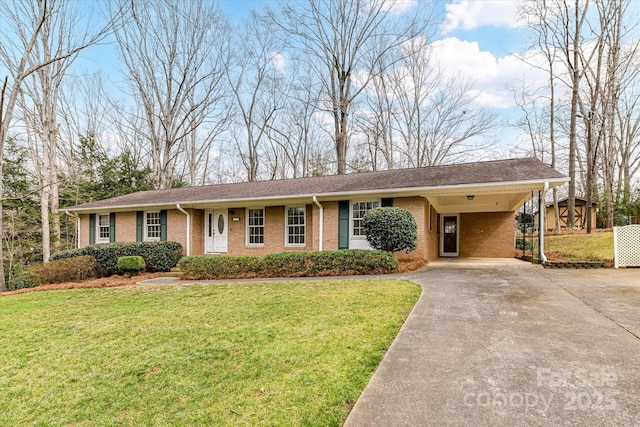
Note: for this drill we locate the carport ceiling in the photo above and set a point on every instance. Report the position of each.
(507, 202)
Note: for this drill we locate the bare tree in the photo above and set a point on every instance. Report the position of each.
(24, 23)
(538, 15)
(39, 102)
(296, 135)
(567, 32)
(175, 54)
(337, 39)
(259, 90)
(437, 117)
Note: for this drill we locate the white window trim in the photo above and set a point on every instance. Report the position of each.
(351, 202)
(146, 237)
(264, 227)
(286, 227)
(99, 239)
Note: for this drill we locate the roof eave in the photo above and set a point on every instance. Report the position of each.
(326, 196)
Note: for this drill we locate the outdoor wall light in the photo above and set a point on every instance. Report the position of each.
(471, 197)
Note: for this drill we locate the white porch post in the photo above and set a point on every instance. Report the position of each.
(542, 208)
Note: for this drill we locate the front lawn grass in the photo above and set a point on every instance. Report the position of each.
(587, 247)
(237, 354)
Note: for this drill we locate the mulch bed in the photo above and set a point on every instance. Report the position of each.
(103, 282)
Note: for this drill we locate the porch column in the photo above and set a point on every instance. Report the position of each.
(542, 208)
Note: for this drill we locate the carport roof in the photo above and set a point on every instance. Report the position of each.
(392, 182)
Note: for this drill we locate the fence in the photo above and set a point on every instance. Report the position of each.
(626, 246)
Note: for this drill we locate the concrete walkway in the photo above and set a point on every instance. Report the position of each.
(512, 344)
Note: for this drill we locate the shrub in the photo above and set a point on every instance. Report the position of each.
(131, 265)
(289, 264)
(158, 256)
(523, 243)
(20, 279)
(390, 229)
(64, 270)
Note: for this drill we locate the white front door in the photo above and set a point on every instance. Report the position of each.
(220, 237)
(216, 231)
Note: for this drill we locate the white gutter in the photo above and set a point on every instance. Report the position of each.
(77, 217)
(188, 243)
(542, 209)
(317, 203)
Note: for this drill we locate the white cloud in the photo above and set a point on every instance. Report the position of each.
(491, 78)
(395, 7)
(472, 14)
(279, 62)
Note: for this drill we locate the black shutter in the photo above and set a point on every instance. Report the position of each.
(112, 227)
(343, 224)
(386, 203)
(139, 226)
(163, 225)
(92, 229)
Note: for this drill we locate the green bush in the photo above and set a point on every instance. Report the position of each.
(158, 256)
(390, 229)
(131, 265)
(21, 279)
(64, 270)
(288, 264)
(523, 243)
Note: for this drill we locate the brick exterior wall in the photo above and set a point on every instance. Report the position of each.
(197, 231)
(330, 226)
(125, 226)
(274, 232)
(418, 207)
(432, 232)
(487, 235)
(84, 230)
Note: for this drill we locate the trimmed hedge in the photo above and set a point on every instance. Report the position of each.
(289, 264)
(64, 270)
(131, 265)
(158, 256)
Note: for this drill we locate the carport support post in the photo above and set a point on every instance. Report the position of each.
(542, 208)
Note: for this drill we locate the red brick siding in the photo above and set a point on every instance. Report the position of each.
(197, 231)
(274, 232)
(432, 241)
(417, 206)
(125, 226)
(487, 235)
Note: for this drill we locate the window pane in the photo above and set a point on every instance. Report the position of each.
(103, 227)
(153, 225)
(255, 226)
(296, 229)
(358, 211)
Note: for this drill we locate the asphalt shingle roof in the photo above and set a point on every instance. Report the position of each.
(498, 171)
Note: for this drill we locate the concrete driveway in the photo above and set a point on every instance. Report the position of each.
(512, 344)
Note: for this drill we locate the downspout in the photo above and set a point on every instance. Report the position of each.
(321, 228)
(77, 217)
(542, 208)
(188, 251)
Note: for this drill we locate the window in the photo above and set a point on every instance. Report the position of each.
(103, 230)
(358, 211)
(255, 227)
(152, 226)
(295, 226)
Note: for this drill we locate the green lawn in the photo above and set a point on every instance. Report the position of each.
(240, 354)
(582, 246)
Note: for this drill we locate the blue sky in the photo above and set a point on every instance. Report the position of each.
(476, 38)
